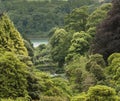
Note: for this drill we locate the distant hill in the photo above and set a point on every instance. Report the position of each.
(38, 17)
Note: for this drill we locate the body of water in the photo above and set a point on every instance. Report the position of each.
(37, 42)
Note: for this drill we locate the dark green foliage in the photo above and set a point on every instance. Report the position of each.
(107, 1)
(29, 47)
(59, 46)
(13, 81)
(34, 88)
(77, 19)
(72, 4)
(52, 31)
(37, 17)
(43, 59)
(107, 39)
(34, 17)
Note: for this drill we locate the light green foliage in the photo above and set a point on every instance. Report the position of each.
(80, 43)
(96, 17)
(64, 85)
(76, 20)
(26, 60)
(92, 31)
(97, 93)
(76, 73)
(101, 93)
(53, 87)
(10, 39)
(13, 81)
(75, 69)
(113, 70)
(17, 99)
(80, 97)
(59, 46)
(98, 59)
(96, 66)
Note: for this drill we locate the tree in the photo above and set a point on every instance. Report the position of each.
(59, 46)
(101, 93)
(107, 38)
(77, 75)
(76, 20)
(96, 65)
(97, 93)
(113, 71)
(96, 17)
(10, 38)
(80, 43)
(13, 81)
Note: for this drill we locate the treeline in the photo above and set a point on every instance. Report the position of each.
(38, 17)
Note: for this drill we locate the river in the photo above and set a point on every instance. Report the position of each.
(36, 42)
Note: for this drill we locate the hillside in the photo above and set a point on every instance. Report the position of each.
(38, 17)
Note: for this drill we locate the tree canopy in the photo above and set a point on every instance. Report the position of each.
(107, 38)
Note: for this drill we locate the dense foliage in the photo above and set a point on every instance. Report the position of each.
(64, 69)
(12, 76)
(108, 33)
(10, 38)
(35, 18)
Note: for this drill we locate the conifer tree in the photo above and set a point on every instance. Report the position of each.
(13, 73)
(10, 39)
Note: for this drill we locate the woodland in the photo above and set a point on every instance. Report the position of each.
(81, 61)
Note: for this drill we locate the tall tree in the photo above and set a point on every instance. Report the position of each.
(59, 46)
(10, 38)
(107, 39)
(77, 19)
